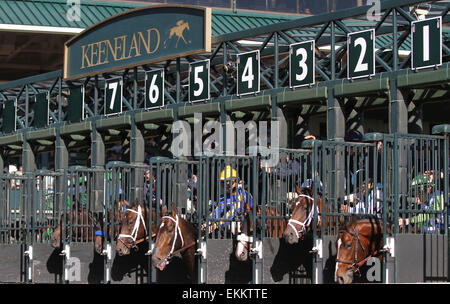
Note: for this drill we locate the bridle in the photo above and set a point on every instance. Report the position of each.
(308, 220)
(135, 230)
(172, 252)
(357, 264)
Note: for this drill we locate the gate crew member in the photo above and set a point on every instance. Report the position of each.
(431, 200)
(235, 204)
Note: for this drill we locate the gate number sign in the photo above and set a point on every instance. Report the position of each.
(154, 89)
(113, 96)
(301, 64)
(361, 54)
(248, 73)
(426, 38)
(199, 81)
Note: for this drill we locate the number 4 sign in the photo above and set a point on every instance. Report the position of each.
(248, 73)
(426, 43)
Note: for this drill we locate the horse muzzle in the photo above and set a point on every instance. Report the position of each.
(347, 278)
(159, 263)
(290, 237)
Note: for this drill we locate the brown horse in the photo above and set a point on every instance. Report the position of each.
(175, 235)
(357, 242)
(274, 226)
(113, 229)
(133, 229)
(302, 216)
(81, 227)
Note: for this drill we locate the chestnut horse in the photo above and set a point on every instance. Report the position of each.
(175, 235)
(274, 226)
(81, 226)
(133, 229)
(112, 218)
(357, 242)
(302, 216)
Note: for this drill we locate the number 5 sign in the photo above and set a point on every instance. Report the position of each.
(426, 43)
(154, 89)
(113, 96)
(361, 54)
(199, 81)
(248, 73)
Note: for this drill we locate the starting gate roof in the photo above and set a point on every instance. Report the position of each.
(52, 13)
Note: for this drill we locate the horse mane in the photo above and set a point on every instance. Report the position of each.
(308, 191)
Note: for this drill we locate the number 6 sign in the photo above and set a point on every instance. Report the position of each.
(154, 89)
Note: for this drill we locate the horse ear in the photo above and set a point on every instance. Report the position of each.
(164, 210)
(174, 210)
(341, 222)
(297, 188)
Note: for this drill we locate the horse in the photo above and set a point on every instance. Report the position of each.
(175, 235)
(112, 229)
(276, 228)
(85, 226)
(133, 229)
(302, 215)
(357, 242)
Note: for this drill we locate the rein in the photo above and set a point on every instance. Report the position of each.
(304, 224)
(135, 230)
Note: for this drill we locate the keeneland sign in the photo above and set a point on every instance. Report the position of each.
(136, 37)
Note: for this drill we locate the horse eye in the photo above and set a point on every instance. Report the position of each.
(348, 246)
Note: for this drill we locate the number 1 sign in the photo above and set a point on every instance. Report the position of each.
(426, 38)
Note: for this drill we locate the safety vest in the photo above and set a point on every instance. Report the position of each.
(233, 207)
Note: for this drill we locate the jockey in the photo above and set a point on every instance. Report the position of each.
(235, 203)
(430, 199)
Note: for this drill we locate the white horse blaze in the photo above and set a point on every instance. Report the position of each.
(337, 256)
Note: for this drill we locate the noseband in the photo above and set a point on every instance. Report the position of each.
(304, 224)
(135, 230)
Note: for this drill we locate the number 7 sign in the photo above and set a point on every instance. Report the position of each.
(113, 96)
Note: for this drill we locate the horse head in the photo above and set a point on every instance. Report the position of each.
(357, 242)
(302, 216)
(245, 238)
(56, 235)
(99, 237)
(170, 238)
(133, 229)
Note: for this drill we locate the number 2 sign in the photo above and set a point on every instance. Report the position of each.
(361, 54)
